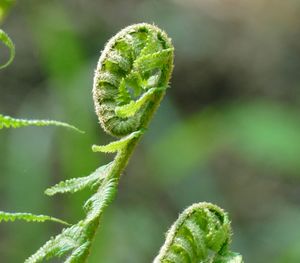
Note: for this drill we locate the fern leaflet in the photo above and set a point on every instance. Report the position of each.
(117, 145)
(9, 122)
(77, 184)
(97, 202)
(76, 237)
(130, 109)
(28, 217)
(69, 239)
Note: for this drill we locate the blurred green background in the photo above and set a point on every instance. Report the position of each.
(228, 131)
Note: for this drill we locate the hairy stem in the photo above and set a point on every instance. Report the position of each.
(120, 162)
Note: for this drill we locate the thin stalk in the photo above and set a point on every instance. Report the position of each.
(120, 163)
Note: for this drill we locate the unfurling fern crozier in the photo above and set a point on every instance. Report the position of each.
(131, 77)
(202, 233)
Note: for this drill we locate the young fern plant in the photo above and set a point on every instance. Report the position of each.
(130, 81)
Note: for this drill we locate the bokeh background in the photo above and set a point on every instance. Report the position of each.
(228, 131)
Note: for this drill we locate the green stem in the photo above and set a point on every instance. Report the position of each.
(120, 162)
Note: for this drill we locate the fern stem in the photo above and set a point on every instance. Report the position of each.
(120, 163)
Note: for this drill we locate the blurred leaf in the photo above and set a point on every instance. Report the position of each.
(5, 5)
(69, 76)
(131, 232)
(265, 132)
(185, 145)
(261, 131)
(278, 238)
(5, 39)
(61, 52)
(291, 254)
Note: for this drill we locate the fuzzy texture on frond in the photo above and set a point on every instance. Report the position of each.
(97, 202)
(9, 122)
(77, 238)
(135, 62)
(77, 184)
(69, 239)
(28, 217)
(201, 233)
(5, 39)
(79, 252)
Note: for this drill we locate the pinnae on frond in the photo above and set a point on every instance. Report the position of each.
(130, 81)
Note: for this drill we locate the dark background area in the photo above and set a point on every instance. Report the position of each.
(227, 132)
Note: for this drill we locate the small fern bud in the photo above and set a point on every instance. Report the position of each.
(200, 234)
(133, 70)
(131, 79)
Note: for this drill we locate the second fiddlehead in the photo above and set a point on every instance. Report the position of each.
(200, 234)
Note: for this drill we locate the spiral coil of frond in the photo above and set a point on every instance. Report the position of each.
(200, 234)
(134, 64)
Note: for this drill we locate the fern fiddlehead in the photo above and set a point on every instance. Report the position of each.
(130, 80)
(131, 77)
(200, 234)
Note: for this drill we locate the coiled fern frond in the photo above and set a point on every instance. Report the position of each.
(201, 233)
(132, 75)
(130, 80)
